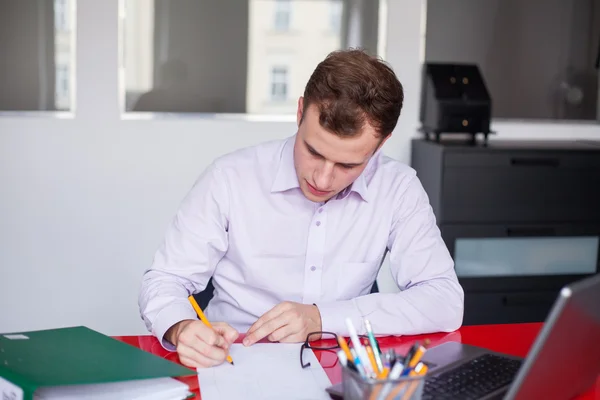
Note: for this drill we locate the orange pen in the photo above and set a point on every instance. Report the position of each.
(417, 357)
(203, 319)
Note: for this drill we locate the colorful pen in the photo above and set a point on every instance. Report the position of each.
(358, 364)
(374, 345)
(396, 371)
(342, 357)
(413, 361)
(411, 353)
(416, 357)
(361, 354)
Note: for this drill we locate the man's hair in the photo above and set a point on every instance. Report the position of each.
(351, 88)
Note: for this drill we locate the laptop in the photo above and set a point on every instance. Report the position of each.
(564, 360)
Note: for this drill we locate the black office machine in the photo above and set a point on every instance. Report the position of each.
(454, 99)
(521, 219)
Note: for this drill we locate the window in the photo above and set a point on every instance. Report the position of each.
(190, 56)
(335, 15)
(283, 9)
(279, 83)
(538, 58)
(37, 38)
(61, 15)
(61, 91)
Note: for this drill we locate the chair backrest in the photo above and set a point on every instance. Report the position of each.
(203, 297)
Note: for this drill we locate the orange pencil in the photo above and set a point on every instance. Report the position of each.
(345, 348)
(372, 360)
(203, 319)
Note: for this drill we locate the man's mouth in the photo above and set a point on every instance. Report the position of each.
(316, 191)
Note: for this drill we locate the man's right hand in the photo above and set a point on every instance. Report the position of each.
(198, 345)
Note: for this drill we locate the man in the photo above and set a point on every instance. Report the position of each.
(293, 232)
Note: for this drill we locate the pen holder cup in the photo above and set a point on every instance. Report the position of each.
(355, 387)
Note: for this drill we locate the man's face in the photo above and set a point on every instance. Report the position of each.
(325, 163)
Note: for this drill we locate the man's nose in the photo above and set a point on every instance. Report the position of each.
(324, 176)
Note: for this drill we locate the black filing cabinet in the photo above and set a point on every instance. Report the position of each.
(520, 218)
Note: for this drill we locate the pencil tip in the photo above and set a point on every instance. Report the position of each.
(232, 363)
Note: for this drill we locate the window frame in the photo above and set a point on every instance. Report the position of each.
(282, 16)
(279, 79)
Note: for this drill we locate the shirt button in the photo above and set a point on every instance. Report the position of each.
(313, 268)
(320, 210)
(318, 223)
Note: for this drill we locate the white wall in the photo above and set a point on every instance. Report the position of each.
(85, 200)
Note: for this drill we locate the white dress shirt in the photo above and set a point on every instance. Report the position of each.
(246, 223)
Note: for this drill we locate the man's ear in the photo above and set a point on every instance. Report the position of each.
(300, 110)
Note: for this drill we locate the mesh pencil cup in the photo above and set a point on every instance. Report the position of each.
(356, 387)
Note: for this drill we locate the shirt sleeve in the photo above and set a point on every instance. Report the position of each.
(194, 243)
(430, 298)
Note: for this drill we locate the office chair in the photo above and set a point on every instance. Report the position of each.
(204, 296)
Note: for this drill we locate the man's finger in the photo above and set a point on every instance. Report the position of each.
(280, 334)
(196, 356)
(210, 346)
(212, 338)
(198, 361)
(269, 315)
(266, 329)
(226, 331)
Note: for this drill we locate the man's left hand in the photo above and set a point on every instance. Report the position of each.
(287, 322)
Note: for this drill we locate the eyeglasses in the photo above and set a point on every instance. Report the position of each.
(321, 341)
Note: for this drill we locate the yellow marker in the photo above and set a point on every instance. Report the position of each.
(203, 319)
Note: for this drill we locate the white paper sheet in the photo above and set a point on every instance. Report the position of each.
(265, 371)
(143, 389)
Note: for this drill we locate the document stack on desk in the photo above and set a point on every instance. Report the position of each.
(79, 363)
(265, 371)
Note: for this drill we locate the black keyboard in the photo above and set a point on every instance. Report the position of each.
(472, 380)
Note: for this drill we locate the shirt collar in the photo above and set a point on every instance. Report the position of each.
(286, 178)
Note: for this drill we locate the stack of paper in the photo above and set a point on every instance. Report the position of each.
(144, 389)
(79, 363)
(265, 371)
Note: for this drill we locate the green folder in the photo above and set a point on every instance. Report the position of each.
(75, 356)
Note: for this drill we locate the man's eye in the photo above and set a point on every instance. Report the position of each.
(347, 166)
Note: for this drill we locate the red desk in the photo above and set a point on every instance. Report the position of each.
(512, 339)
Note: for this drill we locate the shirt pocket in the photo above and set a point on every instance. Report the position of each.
(356, 279)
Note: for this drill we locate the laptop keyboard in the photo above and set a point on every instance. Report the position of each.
(472, 380)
